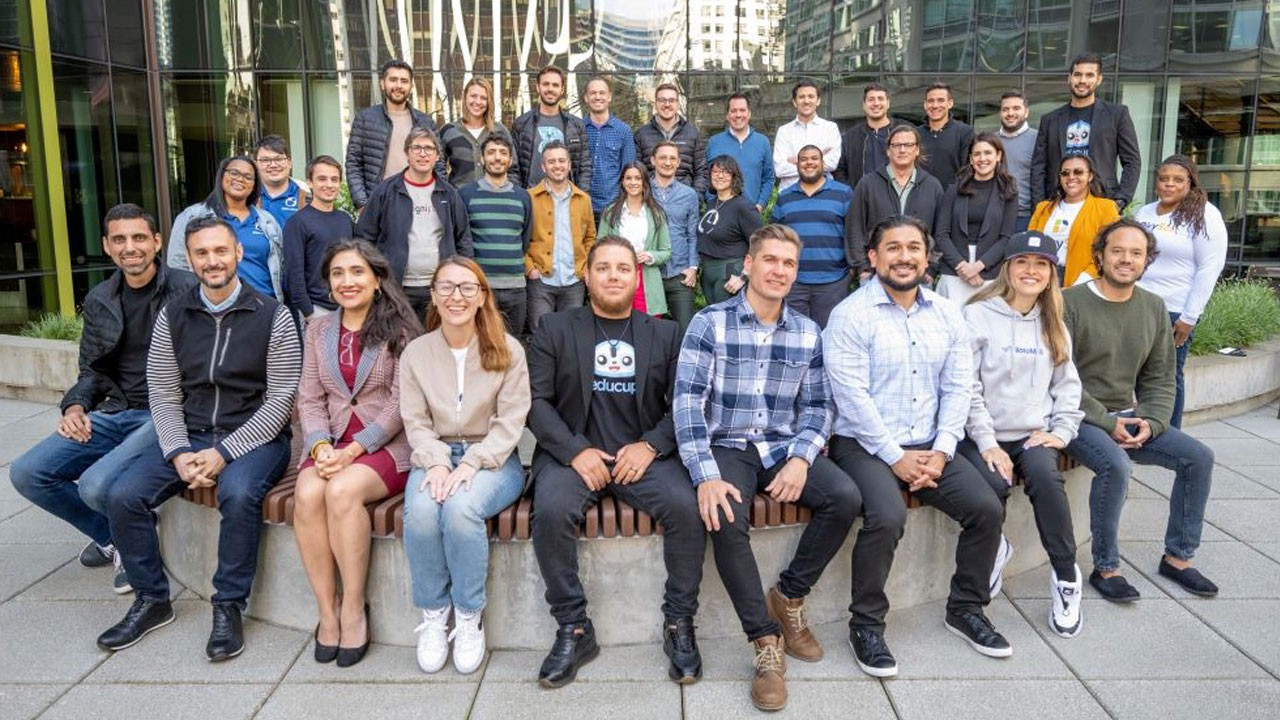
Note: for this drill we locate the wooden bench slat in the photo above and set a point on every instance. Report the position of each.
(626, 520)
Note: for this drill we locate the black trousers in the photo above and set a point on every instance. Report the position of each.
(962, 493)
(835, 502)
(419, 299)
(1046, 489)
(560, 502)
(513, 303)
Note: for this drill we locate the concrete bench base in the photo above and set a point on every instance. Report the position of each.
(623, 576)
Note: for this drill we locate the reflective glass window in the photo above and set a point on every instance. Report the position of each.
(858, 36)
(1220, 36)
(26, 257)
(89, 177)
(277, 34)
(134, 148)
(1001, 35)
(78, 28)
(282, 111)
(208, 117)
(127, 33)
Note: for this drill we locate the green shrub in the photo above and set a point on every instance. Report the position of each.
(54, 327)
(1241, 313)
(344, 202)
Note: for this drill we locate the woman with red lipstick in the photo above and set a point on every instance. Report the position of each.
(978, 216)
(353, 438)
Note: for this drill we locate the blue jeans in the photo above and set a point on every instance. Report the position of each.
(447, 544)
(242, 486)
(1021, 222)
(1181, 389)
(1192, 463)
(47, 473)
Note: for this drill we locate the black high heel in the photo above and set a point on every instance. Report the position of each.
(350, 656)
(324, 653)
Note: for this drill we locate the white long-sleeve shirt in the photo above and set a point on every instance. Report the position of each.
(1188, 266)
(795, 135)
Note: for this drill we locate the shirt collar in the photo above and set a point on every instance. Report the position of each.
(747, 315)
(880, 296)
(1021, 129)
(225, 304)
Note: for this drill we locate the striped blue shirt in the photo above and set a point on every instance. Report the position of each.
(899, 377)
(742, 384)
(819, 221)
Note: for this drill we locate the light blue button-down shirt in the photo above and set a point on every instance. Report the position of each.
(562, 268)
(900, 378)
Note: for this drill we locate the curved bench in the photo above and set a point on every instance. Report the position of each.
(620, 559)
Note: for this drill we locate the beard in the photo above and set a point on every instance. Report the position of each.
(900, 286)
(227, 279)
(612, 306)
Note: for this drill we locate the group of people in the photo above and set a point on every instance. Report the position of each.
(399, 343)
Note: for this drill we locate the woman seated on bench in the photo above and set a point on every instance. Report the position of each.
(354, 442)
(464, 396)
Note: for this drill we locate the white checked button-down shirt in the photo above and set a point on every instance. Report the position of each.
(899, 377)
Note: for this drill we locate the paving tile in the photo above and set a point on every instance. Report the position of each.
(24, 432)
(1227, 485)
(74, 581)
(1270, 549)
(57, 639)
(12, 410)
(639, 663)
(20, 702)
(1035, 583)
(1250, 624)
(1254, 451)
(1152, 638)
(1246, 520)
(11, 503)
(1238, 570)
(1189, 699)
(1145, 519)
(1216, 429)
(384, 702)
(729, 659)
(176, 653)
(1260, 423)
(619, 700)
(34, 525)
(1143, 490)
(1268, 475)
(384, 663)
(173, 702)
(914, 699)
(22, 565)
(808, 699)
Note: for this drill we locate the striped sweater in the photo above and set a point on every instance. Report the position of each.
(819, 220)
(235, 372)
(500, 219)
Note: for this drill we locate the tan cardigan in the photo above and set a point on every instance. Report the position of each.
(325, 403)
(493, 411)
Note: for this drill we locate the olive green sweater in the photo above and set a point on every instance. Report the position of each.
(1122, 348)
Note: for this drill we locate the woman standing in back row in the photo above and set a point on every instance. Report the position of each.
(978, 216)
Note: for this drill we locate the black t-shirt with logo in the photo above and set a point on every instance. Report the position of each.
(614, 417)
(1079, 129)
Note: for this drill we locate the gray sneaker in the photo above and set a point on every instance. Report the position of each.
(120, 583)
(94, 555)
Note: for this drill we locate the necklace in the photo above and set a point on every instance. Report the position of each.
(613, 344)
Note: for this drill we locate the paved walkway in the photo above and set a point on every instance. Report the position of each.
(1169, 656)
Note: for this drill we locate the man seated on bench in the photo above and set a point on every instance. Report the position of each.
(105, 422)
(752, 411)
(601, 378)
(222, 373)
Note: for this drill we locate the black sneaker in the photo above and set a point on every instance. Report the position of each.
(575, 646)
(872, 653)
(226, 639)
(1189, 579)
(1115, 588)
(94, 555)
(973, 626)
(681, 648)
(143, 617)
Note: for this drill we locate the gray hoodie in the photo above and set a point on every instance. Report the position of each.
(1016, 388)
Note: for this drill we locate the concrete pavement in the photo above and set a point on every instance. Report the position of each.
(1171, 655)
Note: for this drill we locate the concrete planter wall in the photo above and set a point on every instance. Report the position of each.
(37, 370)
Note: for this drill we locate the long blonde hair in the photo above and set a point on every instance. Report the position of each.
(1050, 302)
(487, 117)
(491, 330)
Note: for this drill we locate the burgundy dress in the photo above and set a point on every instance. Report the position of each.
(381, 461)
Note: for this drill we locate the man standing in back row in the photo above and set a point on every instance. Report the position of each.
(1019, 140)
(864, 148)
(546, 123)
(806, 129)
(667, 124)
(375, 147)
(944, 140)
(1088, 126)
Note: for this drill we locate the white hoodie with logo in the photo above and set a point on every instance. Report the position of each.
(1016, 388)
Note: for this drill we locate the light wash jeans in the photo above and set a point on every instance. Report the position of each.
(1192, 463)
(447, 544)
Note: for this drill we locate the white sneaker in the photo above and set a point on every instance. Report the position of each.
(1003, 555)
(1065, 617)
(433, 639)
(468, 641)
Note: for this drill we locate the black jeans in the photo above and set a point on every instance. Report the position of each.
(817, 301)
(242, 486)
(835, 502)
(419, 300)
(513, 303)
(1046, 488)
(560, 501)
(544, 298)
(962, 494)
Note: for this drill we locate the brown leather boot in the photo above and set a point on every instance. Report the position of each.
(791, 615)
(769, 686)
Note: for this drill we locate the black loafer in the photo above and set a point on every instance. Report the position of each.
(143, 617)
(1189, 579)
(575, 646)
(681, 647)
(226, 639)
(1115, 589)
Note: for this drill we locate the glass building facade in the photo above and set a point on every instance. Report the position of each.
(106, 101)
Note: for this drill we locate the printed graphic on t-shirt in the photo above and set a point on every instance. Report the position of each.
(425, 208)
(615, 368)
(547, 133)
(708, 221)
(1078, 137)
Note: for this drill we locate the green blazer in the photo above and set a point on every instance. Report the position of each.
(658, 244)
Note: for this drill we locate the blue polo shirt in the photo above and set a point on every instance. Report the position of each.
(282, 206)
(819, 221)
(253, 267)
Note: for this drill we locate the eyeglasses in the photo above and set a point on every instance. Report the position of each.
(1076, 172)
(273, 160)
(423, 149)
(239, 175)
(667, 100)
(901, 146)
(468, 289)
